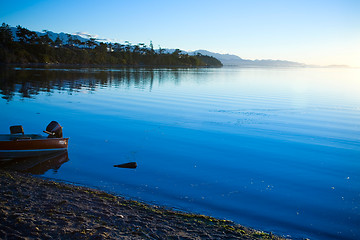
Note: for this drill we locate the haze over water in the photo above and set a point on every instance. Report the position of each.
(273, 149)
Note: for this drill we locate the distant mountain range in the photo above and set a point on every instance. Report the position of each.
(236, 61)
(226, 59)
(233, 60)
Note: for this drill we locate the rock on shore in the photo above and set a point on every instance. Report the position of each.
(34, 208)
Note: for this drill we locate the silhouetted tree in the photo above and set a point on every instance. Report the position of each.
(45, 39)
(161, 51)
(5, 34)
(151, 48)
(91, 43)
(70, 40)
(58, 42)
(26, 36)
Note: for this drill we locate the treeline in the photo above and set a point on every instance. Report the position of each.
(33, 48)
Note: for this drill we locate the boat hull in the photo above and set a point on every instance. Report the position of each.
(20, 148)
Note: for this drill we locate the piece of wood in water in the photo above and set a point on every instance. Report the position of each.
(127, 165)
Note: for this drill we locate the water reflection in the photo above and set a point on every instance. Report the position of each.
(274, 149)
(29, 82)
(37, 165)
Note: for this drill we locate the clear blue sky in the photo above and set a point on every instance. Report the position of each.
(310, 31)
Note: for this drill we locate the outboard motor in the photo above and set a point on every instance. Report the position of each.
(54, 130)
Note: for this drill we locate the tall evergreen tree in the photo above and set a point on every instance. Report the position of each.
(58, 42)
(26, 36)
(6, 36)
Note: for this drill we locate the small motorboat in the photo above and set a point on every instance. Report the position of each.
(19, 145)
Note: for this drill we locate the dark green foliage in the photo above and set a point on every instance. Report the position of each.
(27, 36)
(208, 60)
(32, 48)
(5, 34)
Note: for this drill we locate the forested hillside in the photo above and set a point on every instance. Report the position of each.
(27, 47)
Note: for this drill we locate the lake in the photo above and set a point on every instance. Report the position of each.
(273, 149)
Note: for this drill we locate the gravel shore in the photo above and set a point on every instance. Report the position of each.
(34, 208)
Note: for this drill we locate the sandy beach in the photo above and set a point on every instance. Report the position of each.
(35, 208)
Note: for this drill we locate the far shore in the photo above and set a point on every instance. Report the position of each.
(65, 65)
(36, 208)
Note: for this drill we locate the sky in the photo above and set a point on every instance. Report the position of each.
(320, 32)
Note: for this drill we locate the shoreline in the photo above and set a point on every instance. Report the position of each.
(140, 66)
(75, 65)
(37, 208)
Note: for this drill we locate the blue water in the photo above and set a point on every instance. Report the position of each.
(273, 149)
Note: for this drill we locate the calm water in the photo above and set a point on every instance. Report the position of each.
(273, 149)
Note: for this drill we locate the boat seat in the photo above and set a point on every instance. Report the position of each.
(17, 129)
